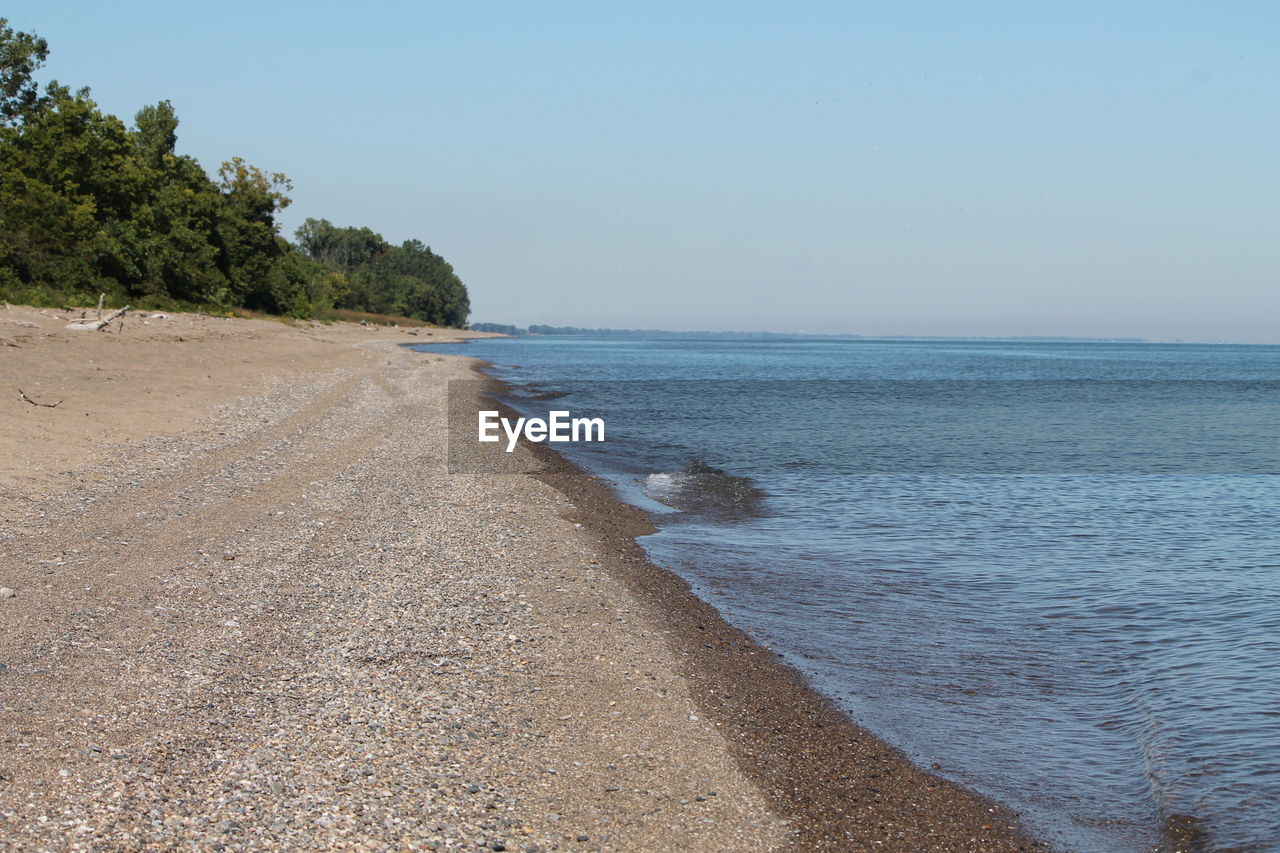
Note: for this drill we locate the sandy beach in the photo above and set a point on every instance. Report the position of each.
(251, 608)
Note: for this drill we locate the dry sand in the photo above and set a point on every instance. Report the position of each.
(253, 610)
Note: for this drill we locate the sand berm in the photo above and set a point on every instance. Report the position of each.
(247, 606)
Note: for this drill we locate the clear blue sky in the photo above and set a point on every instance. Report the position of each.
(920, 168)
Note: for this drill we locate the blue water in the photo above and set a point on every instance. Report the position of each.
(1048, 571)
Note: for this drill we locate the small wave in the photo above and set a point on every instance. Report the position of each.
(705, 490)
(548, 395)
(531, 393)
(535, 392)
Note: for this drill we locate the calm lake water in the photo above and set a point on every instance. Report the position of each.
(1050, 571)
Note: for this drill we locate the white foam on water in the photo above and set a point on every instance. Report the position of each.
(661, 487)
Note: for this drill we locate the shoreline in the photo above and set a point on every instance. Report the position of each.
(253, 609)
(836, 783)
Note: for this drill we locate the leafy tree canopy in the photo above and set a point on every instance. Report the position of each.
(20, 55)
(90, 205)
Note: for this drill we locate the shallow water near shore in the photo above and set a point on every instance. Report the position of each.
(1047, 570)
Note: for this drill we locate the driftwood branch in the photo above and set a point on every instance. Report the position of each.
(97, 325)
(23, 396)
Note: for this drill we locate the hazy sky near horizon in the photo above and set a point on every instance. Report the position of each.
(978, 168)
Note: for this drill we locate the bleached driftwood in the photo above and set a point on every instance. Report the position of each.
(96, 325)
(22, 395)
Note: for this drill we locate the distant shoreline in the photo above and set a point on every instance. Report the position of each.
(573, 331)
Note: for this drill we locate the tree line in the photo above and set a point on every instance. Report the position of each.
(91, 205)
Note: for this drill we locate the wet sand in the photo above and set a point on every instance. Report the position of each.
(252, 608)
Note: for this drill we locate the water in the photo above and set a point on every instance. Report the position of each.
(1050, 569)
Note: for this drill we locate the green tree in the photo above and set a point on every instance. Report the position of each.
(174, 216)
(340, 248)
(65, 178)
(247, 231)
(20, 55)
(156, 136)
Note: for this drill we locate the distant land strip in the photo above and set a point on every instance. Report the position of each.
(507, 329)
